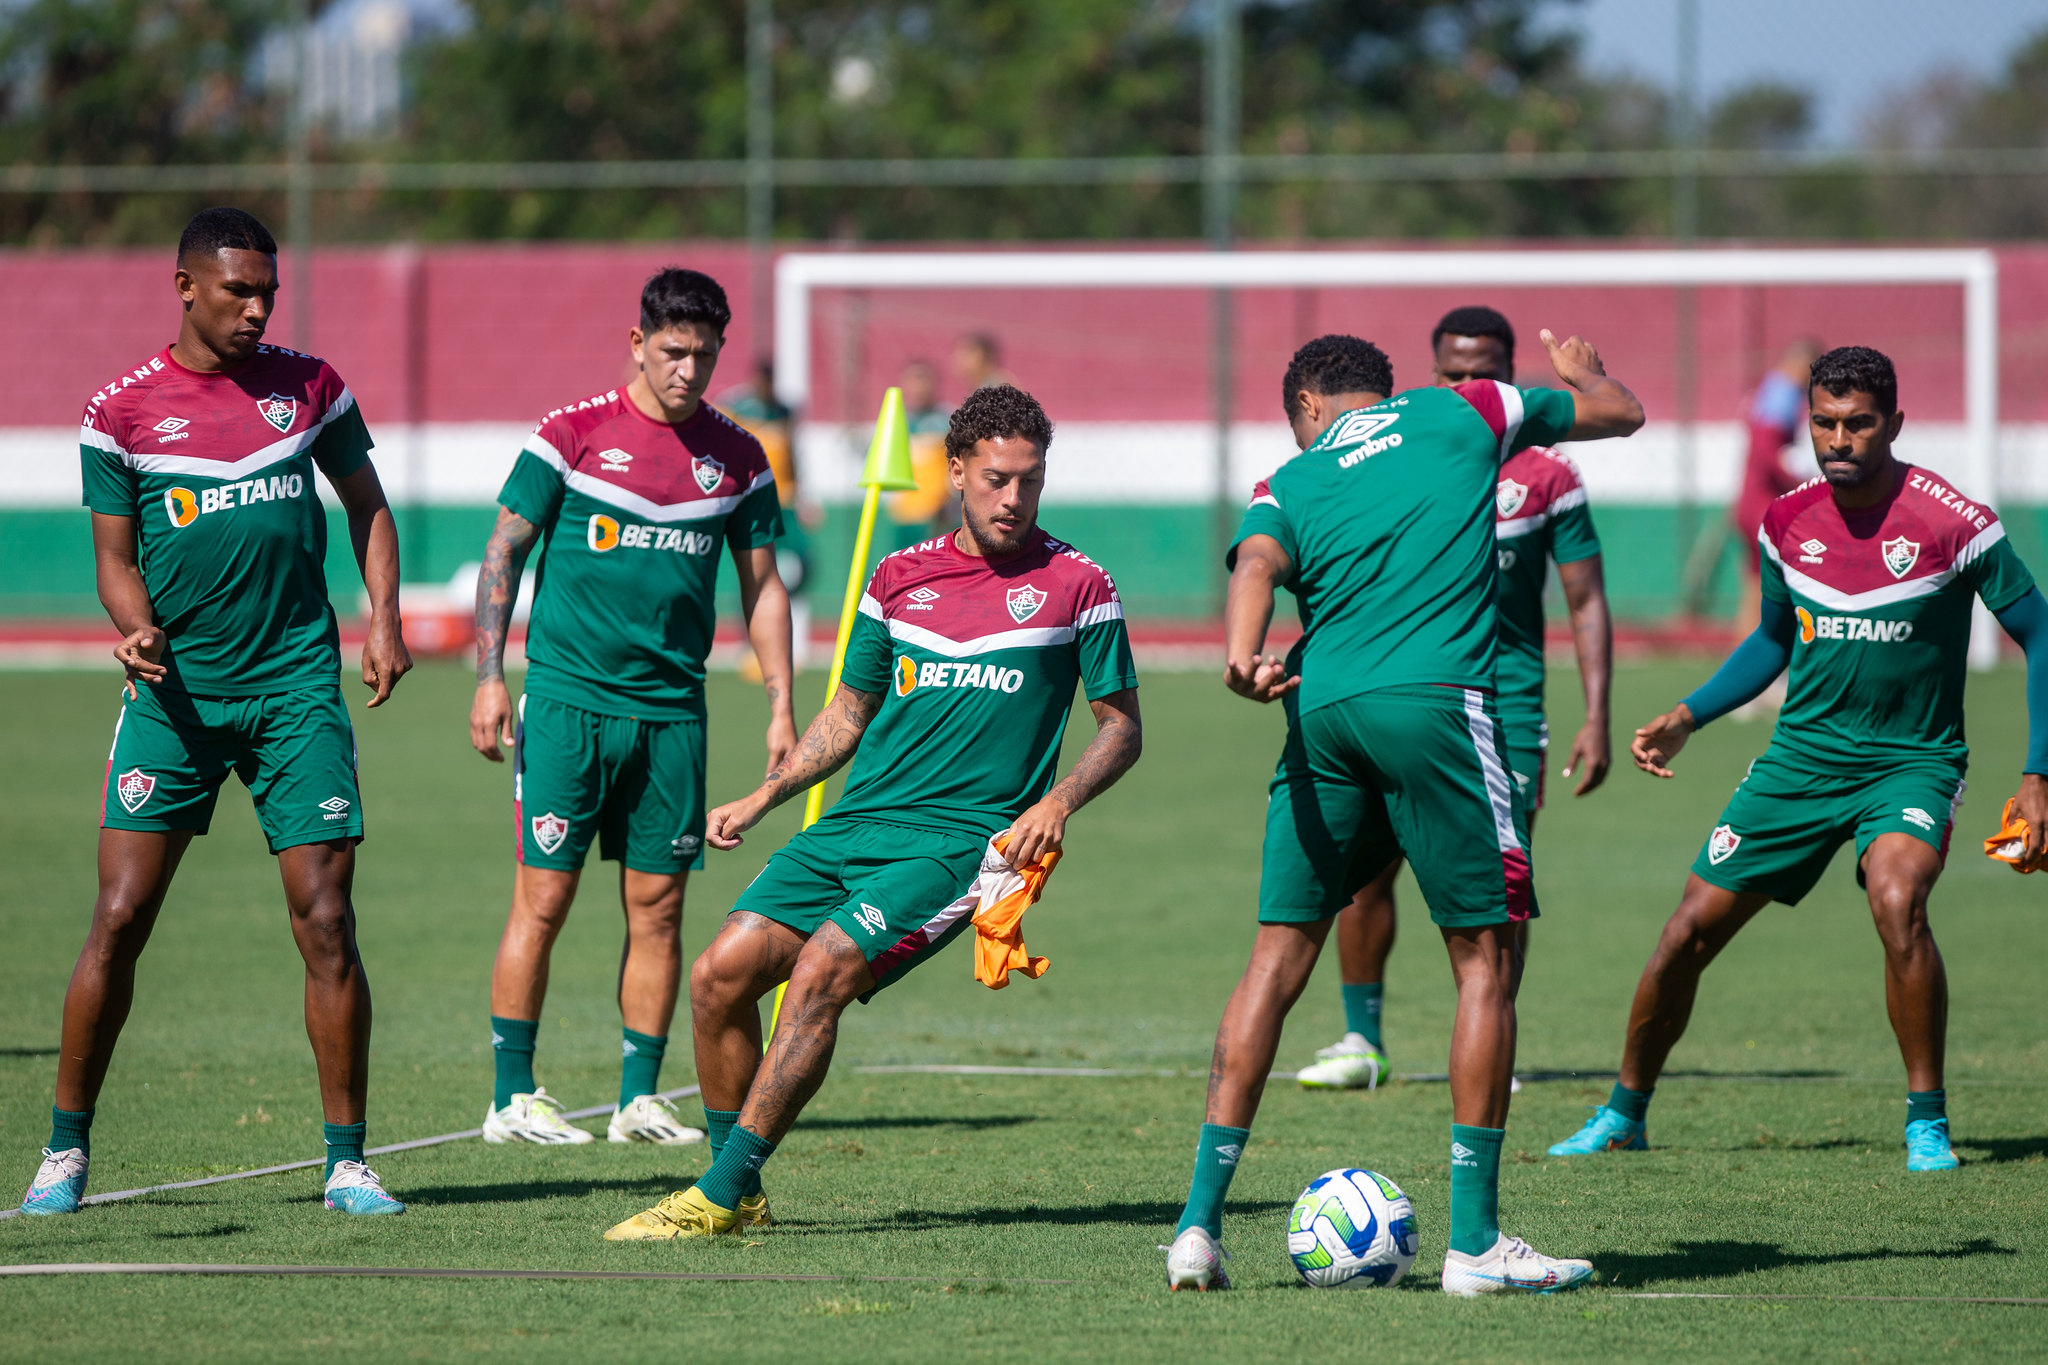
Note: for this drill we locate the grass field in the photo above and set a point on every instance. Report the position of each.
(1033, 1204)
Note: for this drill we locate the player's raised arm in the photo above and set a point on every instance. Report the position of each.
(497, 589)
(1602, 407)
(823, 751)
(1119, 739)
(374, 535)
(1261, 566)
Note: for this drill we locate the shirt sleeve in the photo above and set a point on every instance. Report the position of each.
(1264, 517)
(757, 521)
(1993, 569)
(534, 488)
(869, 653)
(1520, 418)
(343, 445)
(110, 485)
(1102, 641)
(1572, 536)
(1770, 573)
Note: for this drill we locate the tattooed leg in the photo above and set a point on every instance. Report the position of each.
(1248, 1039)
(750, 957)
(830, 974)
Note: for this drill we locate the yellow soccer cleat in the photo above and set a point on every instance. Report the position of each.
(686, 1213)
(752, 1213)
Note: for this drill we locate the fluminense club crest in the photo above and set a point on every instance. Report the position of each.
(1024, 603)
(549, 830)
(279, 411)
(134, 788)
(1901, 555)
(710, 473)
(1509, 497)
(1721, 844)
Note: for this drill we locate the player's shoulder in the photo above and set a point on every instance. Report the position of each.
(1787, 507)
(109, 406)
(1076, 572)
(1545, 468)
(904, 568)
(297, 374)
(566, 430)
(732, 442)
(1953, 517)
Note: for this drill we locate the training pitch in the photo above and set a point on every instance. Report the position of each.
(1013, 1216)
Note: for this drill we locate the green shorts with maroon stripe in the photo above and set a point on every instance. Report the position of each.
(1526, 740)
(1782, 827)
(294, 751)
(635, 786)
(895, 890)
(1419, 772)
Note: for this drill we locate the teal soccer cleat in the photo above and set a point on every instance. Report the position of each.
(1606, 1131)
(60, 1183)
(1927, 1146)
(354, 1188)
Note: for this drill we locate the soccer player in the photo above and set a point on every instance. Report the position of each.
(1868, 572)
(210, 542)
(1540, 516)
(632, 496)
(956, 690)
(1383, 529)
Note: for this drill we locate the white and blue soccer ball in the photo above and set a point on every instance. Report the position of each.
(1352, 1230)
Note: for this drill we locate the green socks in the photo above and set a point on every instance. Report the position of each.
(1920, 1104)
(512, 1049)
(1630, 1104)
(641, 1069)
(738, 1161)
(73, 1128)
(1362, 1010)
(717, 1128)
(1216, 1156)
(1475, 1188)
(344, 1143)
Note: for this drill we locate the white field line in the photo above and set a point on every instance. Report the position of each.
(435, 1141)
(439, 1273)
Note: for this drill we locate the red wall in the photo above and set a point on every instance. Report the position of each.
(503, 333)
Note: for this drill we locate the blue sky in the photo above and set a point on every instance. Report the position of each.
(1848, 53)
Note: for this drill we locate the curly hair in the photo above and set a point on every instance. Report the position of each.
(993, 412)
(224, 229)
(1857, 369)
(1336, 364)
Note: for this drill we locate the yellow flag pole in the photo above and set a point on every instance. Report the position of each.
(887, 467)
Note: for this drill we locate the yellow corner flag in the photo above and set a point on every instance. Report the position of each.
(887, 470)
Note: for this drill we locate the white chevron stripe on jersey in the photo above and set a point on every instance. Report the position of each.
(191, 466)
(1891, 594)
(626, 500)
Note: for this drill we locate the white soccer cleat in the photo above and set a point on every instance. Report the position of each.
(1195, 1261)
(650, 1118)
(1511, 1266)
(533, 1118)
(1349, 1064)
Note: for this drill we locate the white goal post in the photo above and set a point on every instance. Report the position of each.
(1975, 270)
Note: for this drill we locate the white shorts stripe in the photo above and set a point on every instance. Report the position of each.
(1497, 787)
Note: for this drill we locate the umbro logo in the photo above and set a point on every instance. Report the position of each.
(871, 919)
(1918, 817)
(626, 1048)
(336, 808)
(921, 599)
(172, 429)
(614, 459)
(1810, 552)
(1460, 1152)
(1229, 1153)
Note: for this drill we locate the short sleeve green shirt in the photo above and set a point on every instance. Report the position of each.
(1541, 517)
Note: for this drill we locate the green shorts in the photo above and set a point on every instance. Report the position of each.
(1526, 740)
(896, 891)
(294, 751)
(1414, 771)
(637, 786)
(1780, 830)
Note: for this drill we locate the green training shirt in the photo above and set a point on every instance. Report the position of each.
(1389, 519)
(217, 471)
(976, 661)
(633, 514)
(1882, 598)
(1540, 517)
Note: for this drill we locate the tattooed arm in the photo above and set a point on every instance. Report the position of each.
(823, 751)
(497, 588)
(764, 602)
(1119, 737)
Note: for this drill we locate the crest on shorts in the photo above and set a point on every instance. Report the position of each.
(279, 411)
(1900, 555)
(134, 788)
(710, 473)
(1721, 843)
(1509, 496)
(1024, 603)
(549, 830)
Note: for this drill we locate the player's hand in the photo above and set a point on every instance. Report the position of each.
(781, 741)
(138, 654)
(724, 826)
(490, 719)
(2031, 805)
(1657, 743)
(1263, 677)
(1037, 832)
(1572, 357)
(1590, 757)
(385, 657)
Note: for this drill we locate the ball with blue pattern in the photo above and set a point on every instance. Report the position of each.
(1352, 1229)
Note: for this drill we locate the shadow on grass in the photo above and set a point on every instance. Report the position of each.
(1158, 1214)
(1720, 1260)
(28, 1051)
(924, 1121)
(526, 1191)
(1998, 1150)
(217, 1230)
